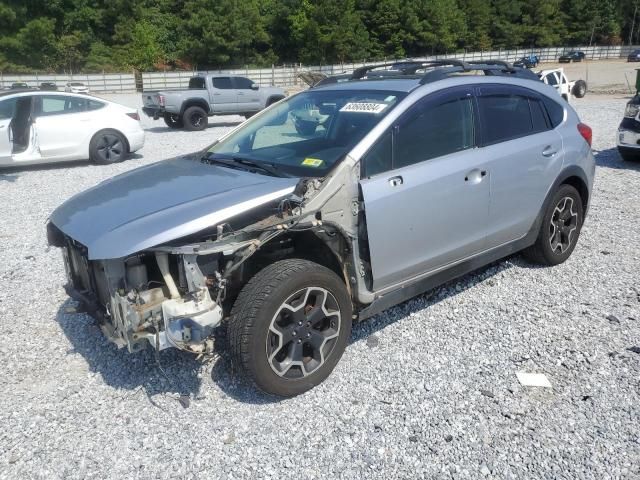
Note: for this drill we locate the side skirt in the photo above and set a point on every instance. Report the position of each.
(406, 292)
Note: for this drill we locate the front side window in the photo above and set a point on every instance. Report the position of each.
(308, 133)
(504, 117)
(243, 83)
(223, 83)
(434, 131)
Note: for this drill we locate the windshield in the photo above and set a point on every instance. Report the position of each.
(76, 84)
(305, 135)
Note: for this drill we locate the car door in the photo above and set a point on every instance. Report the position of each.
(223, 95)
(62, 123)
(523, 154)
(7, 108)
(426, 193)
(248, 99)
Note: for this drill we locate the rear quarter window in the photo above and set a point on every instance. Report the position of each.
(555, 111)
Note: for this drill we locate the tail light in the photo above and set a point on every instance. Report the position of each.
(586, 132)
(161, 100)
(134, 115)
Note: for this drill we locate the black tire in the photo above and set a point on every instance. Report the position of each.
(629, 154)
(259, 313)
(107, 147)
(560, 228)
(247, 116)
(580, 89)
(173, 120)
(195, 118)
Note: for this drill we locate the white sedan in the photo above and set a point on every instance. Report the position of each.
(76, 87)
(43, 127)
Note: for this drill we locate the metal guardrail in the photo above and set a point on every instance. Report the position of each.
(287, 76)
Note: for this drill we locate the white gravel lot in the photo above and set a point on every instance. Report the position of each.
(425, 390)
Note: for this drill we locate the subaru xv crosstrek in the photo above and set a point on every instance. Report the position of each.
(284, 237)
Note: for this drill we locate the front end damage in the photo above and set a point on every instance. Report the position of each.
(177, 294)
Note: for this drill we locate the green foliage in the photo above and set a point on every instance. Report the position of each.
(112, 35)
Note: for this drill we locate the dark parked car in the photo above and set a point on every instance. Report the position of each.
(49, 86)
(19, 86)
(572, 56)
(529, 61)
(634, 56)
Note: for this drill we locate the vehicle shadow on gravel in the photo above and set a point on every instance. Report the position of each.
(11, 174)
(611, 158)
(128, 371)
(180, 370)
(209, 126)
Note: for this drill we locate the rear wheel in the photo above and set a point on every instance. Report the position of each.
(580, 89)
(560, 228)
(195, 118)
(107, 146)
(173, 120)
(289, 326)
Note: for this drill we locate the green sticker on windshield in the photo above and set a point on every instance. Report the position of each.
(312, 162)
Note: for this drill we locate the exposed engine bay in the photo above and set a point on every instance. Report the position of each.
(177, 294)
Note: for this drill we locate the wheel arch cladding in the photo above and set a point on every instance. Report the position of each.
(580, 185)
(195, 102)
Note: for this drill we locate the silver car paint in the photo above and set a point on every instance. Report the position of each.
(519, 208)
(162, 202)
(134, 228)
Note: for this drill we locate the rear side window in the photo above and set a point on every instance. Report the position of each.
(433, 131)
(7, 108)
(504, 117)
(94, 105)
(197, 83)
(60, 105)
(223, 83)
(555, 111)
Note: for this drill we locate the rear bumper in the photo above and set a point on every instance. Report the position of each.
(153, 112)
(628, 139)
(136, 140)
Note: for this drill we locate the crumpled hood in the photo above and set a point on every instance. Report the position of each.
(161, 202)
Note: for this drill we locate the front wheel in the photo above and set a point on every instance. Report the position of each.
(107, 147)
(289, 326)
(560, 229)
(195, 118)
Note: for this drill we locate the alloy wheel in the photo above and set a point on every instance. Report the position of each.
(110, 147)
(563, 225)
(303, 333)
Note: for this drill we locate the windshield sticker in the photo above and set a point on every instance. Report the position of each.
(364, 107)
(312, 162)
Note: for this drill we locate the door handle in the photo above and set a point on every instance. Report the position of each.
(549, 151)
(475, 176)
(395, 181)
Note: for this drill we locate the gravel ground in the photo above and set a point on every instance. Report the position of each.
(425, 390)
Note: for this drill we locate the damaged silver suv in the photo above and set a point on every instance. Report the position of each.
(328, 207)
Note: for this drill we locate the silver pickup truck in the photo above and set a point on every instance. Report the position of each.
(206, 96)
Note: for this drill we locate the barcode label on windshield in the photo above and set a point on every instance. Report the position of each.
(364, 107)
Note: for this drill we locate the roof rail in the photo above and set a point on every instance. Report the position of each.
(484, 65)
(362, 71)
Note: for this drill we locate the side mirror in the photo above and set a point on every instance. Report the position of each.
(255, 86)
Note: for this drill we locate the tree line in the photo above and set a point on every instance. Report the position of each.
(115, 35)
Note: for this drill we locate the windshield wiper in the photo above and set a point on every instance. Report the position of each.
(246, 163)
